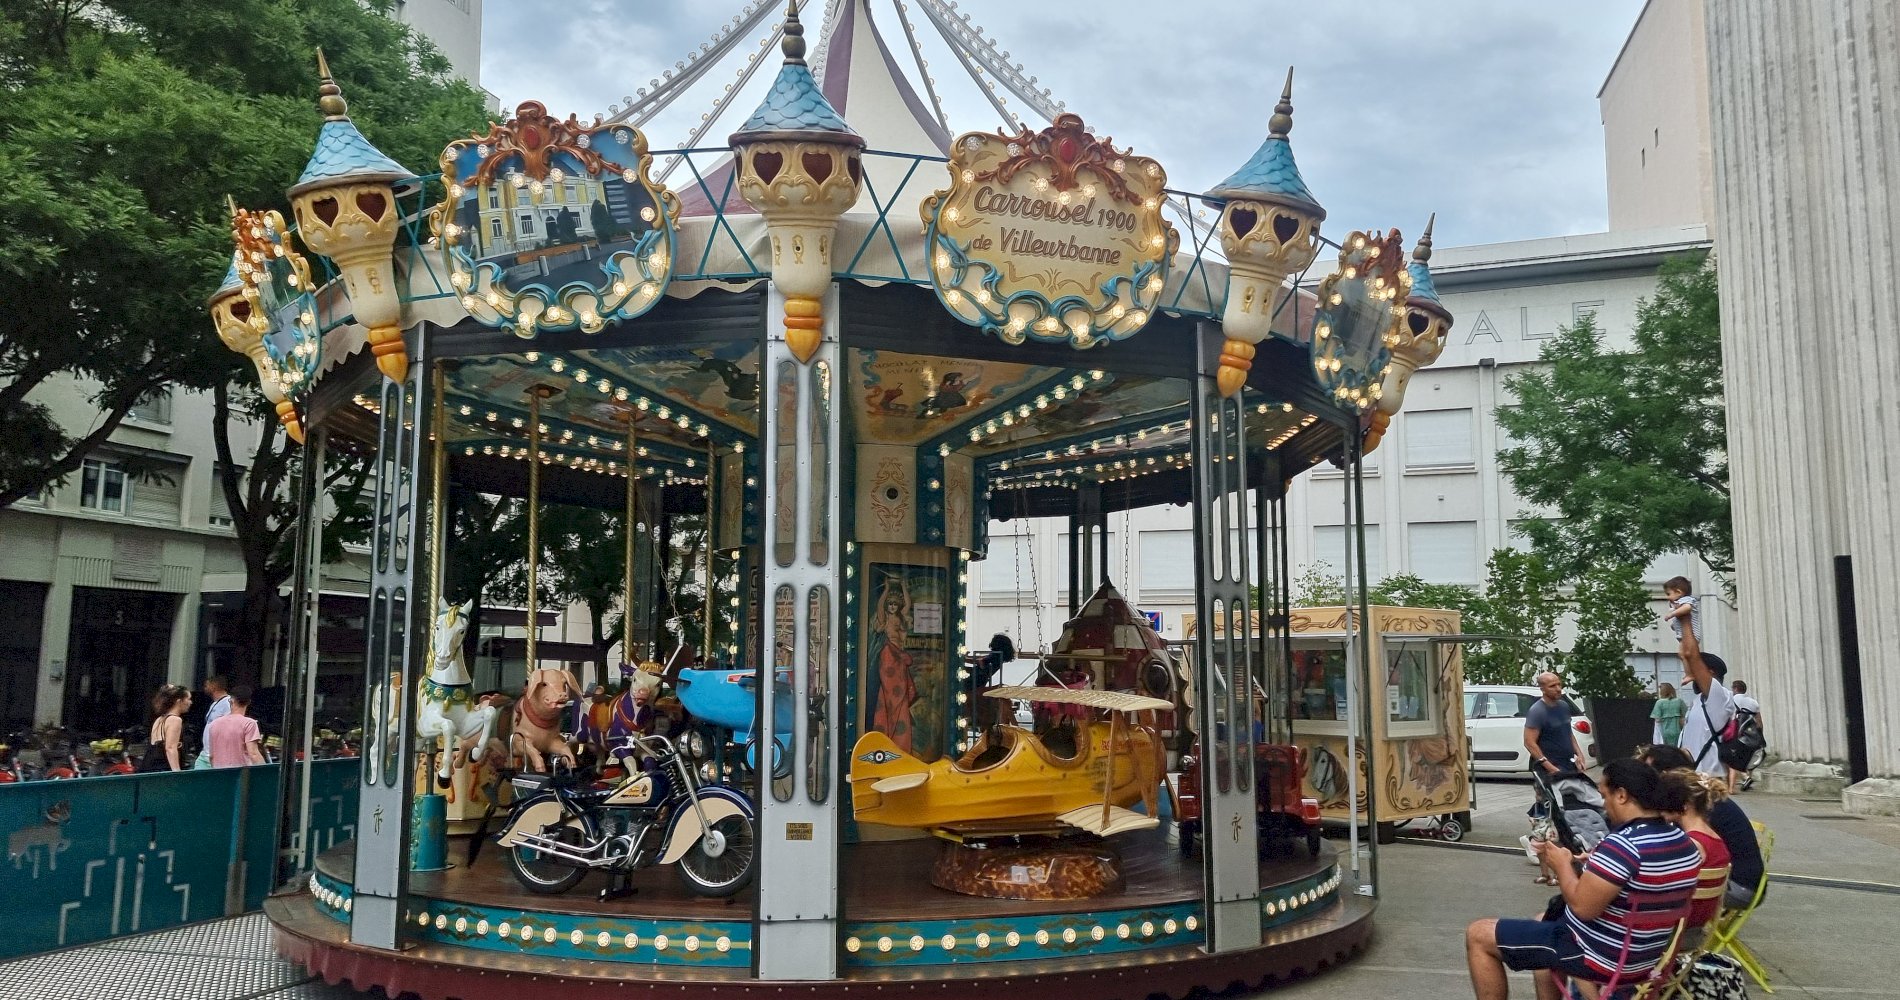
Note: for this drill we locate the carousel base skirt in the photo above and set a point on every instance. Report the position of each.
(472, 934)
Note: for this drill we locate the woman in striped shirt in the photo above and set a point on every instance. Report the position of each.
(1644, 856)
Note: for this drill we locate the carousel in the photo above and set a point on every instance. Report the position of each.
(842, 345)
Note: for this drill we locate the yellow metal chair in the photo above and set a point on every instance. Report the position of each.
(1672, 977)
(1724, 931)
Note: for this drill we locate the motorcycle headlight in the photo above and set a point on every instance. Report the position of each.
(1187, 762)
(709, 772)
(692, 743)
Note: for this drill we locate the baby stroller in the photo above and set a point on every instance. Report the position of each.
(1576, 809)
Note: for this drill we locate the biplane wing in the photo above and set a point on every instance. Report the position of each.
(1105, 822)
(1113, 701)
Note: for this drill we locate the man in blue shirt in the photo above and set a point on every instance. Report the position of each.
(1547, 733)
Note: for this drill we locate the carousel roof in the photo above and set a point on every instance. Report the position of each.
(342, 153)
(1271, 174)
(795, 108)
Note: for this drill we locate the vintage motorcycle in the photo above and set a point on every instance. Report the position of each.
(564, 826)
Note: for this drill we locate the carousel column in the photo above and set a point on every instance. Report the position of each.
(1224, 665)
(1273, 651)
(300, 675)
(648, 583)
(1088, 545)
(398, 633)
(799, 818)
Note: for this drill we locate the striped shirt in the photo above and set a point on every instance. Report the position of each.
(1695, 617)
(1644, 856)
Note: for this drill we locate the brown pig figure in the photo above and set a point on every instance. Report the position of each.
(539, 714)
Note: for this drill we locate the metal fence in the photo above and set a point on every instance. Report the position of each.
(97, 858)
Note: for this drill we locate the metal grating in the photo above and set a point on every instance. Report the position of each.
(219, 960)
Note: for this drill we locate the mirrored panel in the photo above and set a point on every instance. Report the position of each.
(553, 224)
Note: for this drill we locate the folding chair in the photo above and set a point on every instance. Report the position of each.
(1673, 979)
(1650, 912)
(1725, 930)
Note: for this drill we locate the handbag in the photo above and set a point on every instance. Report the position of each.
(1716, 977)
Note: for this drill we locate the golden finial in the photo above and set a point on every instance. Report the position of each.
(1282, 121)
(1423, 252)
(794, 44)
(329, 95)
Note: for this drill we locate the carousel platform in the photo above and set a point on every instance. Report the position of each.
(476, 935)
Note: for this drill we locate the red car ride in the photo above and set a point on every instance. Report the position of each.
(1283, 813)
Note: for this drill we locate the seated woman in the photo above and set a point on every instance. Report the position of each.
(1698, 794)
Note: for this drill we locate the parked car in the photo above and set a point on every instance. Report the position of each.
(1494, 721)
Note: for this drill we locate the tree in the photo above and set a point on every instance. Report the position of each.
(1612, 603)
(123, 126)
(586, 557)
(1521, 600)
(1628, 448)
(605, 229)
(263, 509)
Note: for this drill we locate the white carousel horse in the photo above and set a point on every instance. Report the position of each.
(448, 716)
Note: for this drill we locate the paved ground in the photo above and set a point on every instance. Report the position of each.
(1819, 940)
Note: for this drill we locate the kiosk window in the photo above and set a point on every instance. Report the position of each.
(1411, 685)
(1319, 683)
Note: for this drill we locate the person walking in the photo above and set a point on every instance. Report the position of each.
(168, 728)
(1667, 714)
(1547, 731)
(233, 739)
(1748, 712)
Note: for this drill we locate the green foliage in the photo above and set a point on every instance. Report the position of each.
(1611, 602)
(123, 126)
(1521, 600)
(1628, 448)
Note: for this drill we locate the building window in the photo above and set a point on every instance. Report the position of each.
(494, 228)
(1438, 439)
(1167, 564)
(527, 223)
(103, 486)
(494, 197)
(1329, 552)
(153, 409)
(1444, 551)
(568, 195)
(218, 514)
(1008, 574)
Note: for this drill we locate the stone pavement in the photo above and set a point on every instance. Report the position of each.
(1837, 939)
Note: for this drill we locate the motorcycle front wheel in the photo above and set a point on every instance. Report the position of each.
(542, 873)
(730, 869)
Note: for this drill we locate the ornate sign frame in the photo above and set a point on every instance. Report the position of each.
(282, 295)
(1053, 235)
(1361, 313)
(519, 171)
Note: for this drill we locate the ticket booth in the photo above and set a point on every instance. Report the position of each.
(1415, 744)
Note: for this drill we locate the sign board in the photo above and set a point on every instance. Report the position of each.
(1053, 235)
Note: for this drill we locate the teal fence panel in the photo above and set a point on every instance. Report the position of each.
(98, 858)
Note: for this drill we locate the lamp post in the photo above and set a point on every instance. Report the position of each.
(345, 204)
(799, 166)
(1269, 228)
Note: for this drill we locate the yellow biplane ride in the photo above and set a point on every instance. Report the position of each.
(1015, 782)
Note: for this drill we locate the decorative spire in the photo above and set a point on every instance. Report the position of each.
(794, 44)
(1281, 124)
(1423, 251)
(329, 95)
(1271, 175)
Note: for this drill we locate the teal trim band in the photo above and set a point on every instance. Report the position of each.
(597, 938)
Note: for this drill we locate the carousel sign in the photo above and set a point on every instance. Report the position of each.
(1055, 235)
(550, 224)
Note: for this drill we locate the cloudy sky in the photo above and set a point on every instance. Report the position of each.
(1481, 110)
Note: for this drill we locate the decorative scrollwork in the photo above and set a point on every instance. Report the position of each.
(1066, 147)
(280, 292)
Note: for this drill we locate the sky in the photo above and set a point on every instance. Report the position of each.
(1483, 111)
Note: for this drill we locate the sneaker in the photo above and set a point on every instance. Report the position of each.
(1530, 853)
(1748, 783)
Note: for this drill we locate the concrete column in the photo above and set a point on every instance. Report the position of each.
(1806, 155)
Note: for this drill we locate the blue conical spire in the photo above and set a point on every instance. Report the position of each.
(795, 108)
(1272, 175)
(1424, 294)
(343, 154)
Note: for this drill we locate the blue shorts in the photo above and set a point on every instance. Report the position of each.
(1542, 944)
